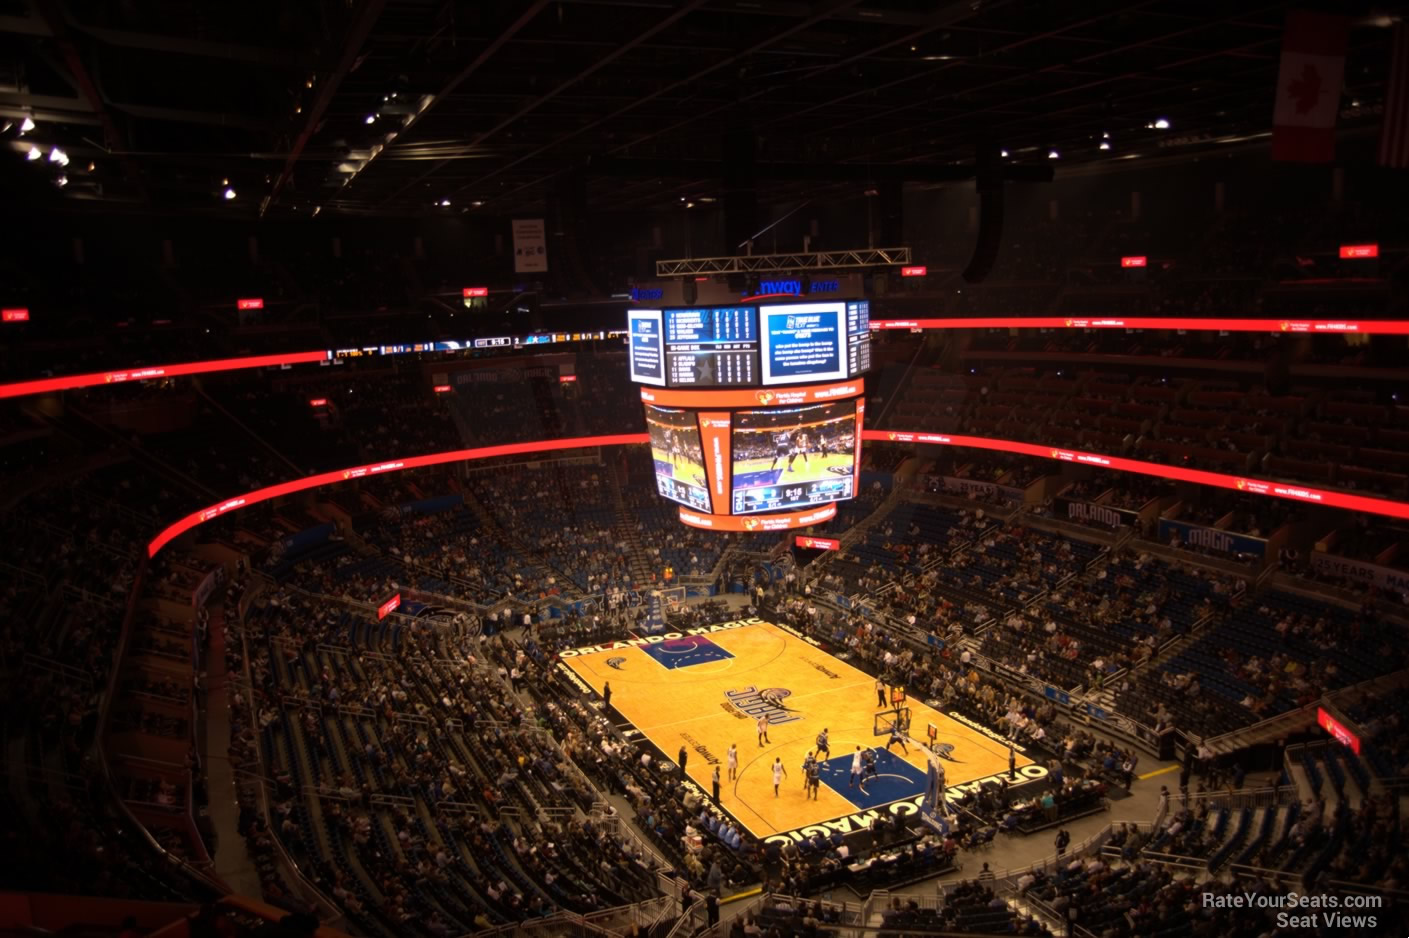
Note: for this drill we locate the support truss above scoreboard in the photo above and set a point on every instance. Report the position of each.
(760, 263)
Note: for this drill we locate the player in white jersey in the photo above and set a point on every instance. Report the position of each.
(779, 773)
(855, 768)
(799, 448)
(732, 758)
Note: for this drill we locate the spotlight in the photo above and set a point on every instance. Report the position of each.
(444, 203)
(371, 118)
(26, 125)
(229, 193)
(1053, 155)
(1003, 154)
(58, 156)
(61, 181)
(1162, 124)
(92, 167)
(33, 154)
(476, 204)
(1105, 144)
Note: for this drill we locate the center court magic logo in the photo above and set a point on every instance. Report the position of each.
(755, 703)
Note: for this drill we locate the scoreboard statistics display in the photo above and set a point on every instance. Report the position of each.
(711, 347)
(793, 457)
(647, 352)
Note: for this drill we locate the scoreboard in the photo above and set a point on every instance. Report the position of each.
(754, 411)
(711, 347)
(742, 346)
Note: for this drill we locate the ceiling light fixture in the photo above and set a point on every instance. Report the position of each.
(1053, 155)
(33, 154)
(1162, 124)
(1105, 145)
(1003, 153)
(229, 193)
(444, 203)
(61, 181)
(58, 156)
(26, 125)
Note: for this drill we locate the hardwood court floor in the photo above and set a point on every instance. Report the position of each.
(694, 691)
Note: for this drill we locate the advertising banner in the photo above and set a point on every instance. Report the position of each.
(1360, 571)
(1225, 542)
(1092, 513)
(530, 246)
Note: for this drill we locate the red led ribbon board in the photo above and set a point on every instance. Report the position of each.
(816, 543)
(251, 303)
(1325, 326)
(46, 385)
(1357, 251)
(914, 271)
(476, 291)
(759, 524)
(374, 469)
(1337, 730)
(1138, 260)
(388, 607)
(14, 315)
(1288, 490)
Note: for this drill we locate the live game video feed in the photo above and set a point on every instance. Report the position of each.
(791, 457)
(678, 457)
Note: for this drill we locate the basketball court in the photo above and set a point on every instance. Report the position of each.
(706, 689)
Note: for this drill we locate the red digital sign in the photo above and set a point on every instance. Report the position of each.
(1137, 260)
(1325, 326)
(816, 543)
(475, 291)
(566, 379)
(388, 607)
(253, 302)
(1337, 730)
(759, 524)
(442, 389)
(374, 469)
(1354, 251)
(318, 402)
(1288, 490)
(914, 271)
(15, 315)
(766, 397)
(45, 385)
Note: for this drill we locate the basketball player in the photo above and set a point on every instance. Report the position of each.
(814, 780)
(779, 773)
(799, 448)
(807, 765)
(763, 731)
(896, 737)
(868, 769)
(732, 757)
(782, 448)
(823, 745)
(855, 768)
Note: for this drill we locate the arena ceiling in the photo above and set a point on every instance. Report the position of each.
(397, 106)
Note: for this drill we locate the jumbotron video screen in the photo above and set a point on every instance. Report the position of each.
(790, 457)
(678, 458)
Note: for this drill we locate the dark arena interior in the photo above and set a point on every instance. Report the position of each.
(703, 467)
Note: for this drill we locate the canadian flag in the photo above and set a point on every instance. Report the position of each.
(1309, 87)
